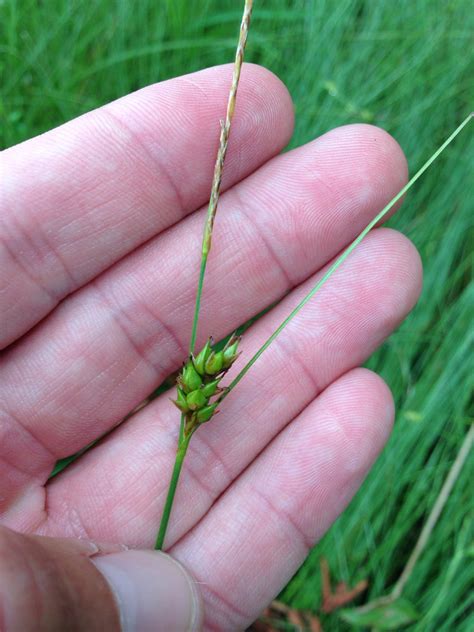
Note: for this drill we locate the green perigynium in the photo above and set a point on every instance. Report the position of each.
(199, 381)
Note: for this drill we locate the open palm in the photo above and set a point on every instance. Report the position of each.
(100, 230)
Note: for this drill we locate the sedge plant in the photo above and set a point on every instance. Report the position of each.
(199, 389)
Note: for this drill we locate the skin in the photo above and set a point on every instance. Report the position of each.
(100, 228)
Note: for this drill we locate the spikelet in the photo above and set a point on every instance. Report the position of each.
(199, 381)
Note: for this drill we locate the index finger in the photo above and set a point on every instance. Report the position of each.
(80, 197)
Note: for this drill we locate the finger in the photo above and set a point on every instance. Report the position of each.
(58, 584)
(117, 339)
(80, 197)
(117, 490)
(260, 531)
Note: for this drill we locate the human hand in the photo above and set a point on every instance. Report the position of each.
(100, 230)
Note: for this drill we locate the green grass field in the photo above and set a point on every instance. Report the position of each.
(402, 65)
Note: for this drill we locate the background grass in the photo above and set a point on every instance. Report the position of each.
(402, 65)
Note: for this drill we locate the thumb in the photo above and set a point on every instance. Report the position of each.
(49, 584)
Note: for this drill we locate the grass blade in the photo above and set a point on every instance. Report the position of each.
(344, 256)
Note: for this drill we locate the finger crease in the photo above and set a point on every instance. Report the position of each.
(197, 479)
(21, 264)
(126, 333)
(228, 605)
(279, 512)
(301, 365)
(169, 331)
(266, 242)
(49, 453)
(219, 462)
(153, 160)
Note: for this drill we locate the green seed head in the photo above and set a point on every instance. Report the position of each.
(199, 381)
(190, 380)
(196, 399)
(206, 413)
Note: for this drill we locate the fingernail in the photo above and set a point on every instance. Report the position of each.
(153, 592)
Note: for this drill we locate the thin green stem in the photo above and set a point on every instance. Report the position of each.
(219, 166)
(184, 439)
(180, 454)
(340, 260)
(197, 306)
(181, 429)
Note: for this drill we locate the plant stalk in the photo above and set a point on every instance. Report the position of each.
(428, 527)
(435, 514)
(180, 454)
(219, 166)
(184, 439)
(340, 260)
